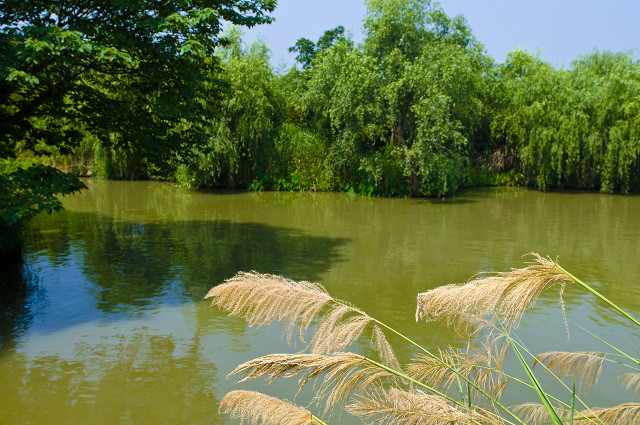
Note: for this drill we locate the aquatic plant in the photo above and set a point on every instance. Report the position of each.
(447, 386)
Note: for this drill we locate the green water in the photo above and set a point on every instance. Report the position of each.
(104, 322)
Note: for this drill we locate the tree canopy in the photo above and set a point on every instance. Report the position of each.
(406, 101)
(128, 74)
(131, 67)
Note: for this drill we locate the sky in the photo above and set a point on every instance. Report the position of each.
(559, 30)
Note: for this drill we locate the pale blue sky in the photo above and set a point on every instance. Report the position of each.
(561, 30)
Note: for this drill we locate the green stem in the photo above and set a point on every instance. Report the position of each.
(318, 420)
(555, 418)
(433, 356)
(621, 353)
(521, 345)
(425, 386)
(599, 295)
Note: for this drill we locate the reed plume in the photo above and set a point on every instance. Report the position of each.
(504, 296)
(631, 381)
(584, 366)
(262, 299)
(381, 345)
(623, 414)
(481, 365)
(343, 373)
(373, 387)
(412, 408)
(254, 408)
(534, 413)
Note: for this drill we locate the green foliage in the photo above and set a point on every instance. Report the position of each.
(134, 68)
(118, 162)
(301, 160)
(491, 178)
(25, 190)
(308, 50)
(239, 138)
(125, 73)
(410, 94)
(417, 109)
(577, 128)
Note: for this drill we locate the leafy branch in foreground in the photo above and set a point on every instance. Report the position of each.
(443, 387)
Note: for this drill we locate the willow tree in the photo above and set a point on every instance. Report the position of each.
(576, 128)
(408, 99)
(239, 136)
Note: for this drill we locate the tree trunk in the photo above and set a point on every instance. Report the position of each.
(397, 135)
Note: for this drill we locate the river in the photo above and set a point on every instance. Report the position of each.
(104, 322)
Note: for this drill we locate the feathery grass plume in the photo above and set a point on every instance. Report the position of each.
(481, 365)
(335, 333)
(343, 373)
(262, 299)
(584, 366)
(631, 381)
(504, 295)
(254, 408)
(412, 408)
(381, 345)
(623, 414)
(442, 372)
(534, 413)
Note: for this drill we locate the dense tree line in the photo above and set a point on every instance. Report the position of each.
(417, 109)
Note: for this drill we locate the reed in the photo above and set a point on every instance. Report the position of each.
(255, 408)
(446, 386)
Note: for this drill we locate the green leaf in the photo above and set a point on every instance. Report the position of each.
(555, 418)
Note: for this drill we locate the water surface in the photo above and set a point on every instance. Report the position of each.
(104, 322)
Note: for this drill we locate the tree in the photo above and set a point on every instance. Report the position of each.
(127, 72)
(402, 107)
(99, 62)
(576, 128)
(239, 138)
(308, 50)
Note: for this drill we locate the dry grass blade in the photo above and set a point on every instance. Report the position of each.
(254, 408)
(585, 367)
(412, 408)
(343, 373)
(504, 295)
(631, 381)
(623, 414)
